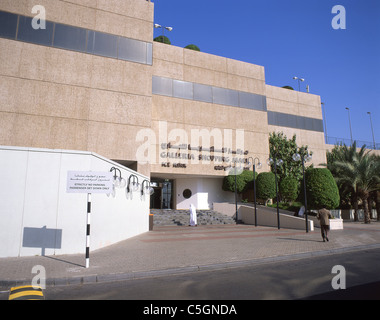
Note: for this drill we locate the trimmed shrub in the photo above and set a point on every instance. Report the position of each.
(162, 39)
(242, 181)
(289, 189)
(266, 186)
(193, 47)
(321, 188)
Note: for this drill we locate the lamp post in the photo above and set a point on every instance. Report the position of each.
(299, 80)
(276, 162)
(254, 181)
(303, 158)
(235, 171)
(324, 116)
(373, 136)
(147, 188)
(349, 121)
(158, 26)
(133, 184)
(118, 181)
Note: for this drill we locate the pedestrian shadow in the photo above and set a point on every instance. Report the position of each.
(304, 240)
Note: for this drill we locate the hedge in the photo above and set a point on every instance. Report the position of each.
(321, 188)
(266, 185)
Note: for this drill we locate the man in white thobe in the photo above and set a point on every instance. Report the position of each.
(193, 216)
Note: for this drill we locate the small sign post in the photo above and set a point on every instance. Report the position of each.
(89, 182)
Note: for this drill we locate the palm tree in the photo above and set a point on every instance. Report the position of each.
(359, 172)
(347, 184)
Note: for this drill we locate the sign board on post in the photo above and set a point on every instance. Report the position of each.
(89, 182)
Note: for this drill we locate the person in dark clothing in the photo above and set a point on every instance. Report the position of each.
(324, 217)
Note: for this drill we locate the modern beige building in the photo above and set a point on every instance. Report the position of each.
(94, 80)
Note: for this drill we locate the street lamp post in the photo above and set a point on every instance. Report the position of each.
(235, 171)
(158, 26)
(349, 121)
(373, 136)
(299, 80)
(276, 162)
(254, 181)
(303, 158)
(324, 116)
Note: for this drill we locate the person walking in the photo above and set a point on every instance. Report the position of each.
(324, 217)
(193, 216)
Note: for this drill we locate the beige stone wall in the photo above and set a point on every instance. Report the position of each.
(187, 115)
(55, 98)
(301, 104)
(193, 66)
(128, 18)
(60, 99)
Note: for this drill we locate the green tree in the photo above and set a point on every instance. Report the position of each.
(266, 186)
(357, 174)
(163, 39)
(321, 189)
(289, 189)
(242, 181)
(283, 148)
(362, 175)
(192, 47)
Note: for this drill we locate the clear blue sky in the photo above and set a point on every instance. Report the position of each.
(293, 38)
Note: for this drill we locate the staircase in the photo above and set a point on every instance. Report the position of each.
(164, 217)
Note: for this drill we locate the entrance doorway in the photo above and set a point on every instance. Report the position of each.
(162, 198)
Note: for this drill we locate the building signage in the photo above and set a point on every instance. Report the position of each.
(89, 182)
(185, 153)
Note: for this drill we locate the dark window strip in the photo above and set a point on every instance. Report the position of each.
(294, 121)
(19, 27)
(205, 93)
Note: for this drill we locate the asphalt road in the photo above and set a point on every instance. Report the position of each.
(310, 278)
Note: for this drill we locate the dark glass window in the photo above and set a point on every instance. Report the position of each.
(8, 25)
(71, 38)
(162, 86)
(202, 92)
(187, 193)
(102, 44)
(251, 101)
(183, 89)
(132, 50)
(225, 96)
(38, 36)
(149, 53)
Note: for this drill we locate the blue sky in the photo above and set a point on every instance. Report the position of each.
(294, 38)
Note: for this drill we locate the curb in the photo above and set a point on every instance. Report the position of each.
(91, 279)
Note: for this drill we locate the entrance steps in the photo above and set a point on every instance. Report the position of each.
(167, 217)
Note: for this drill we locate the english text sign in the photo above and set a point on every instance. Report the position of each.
(89, 182)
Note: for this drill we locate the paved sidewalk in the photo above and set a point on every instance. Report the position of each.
(173, 250)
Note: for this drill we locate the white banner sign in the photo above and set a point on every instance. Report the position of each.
(89, 182)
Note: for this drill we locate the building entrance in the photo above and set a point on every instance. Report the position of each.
(162, 198)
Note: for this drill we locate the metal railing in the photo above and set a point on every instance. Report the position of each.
(348, 142)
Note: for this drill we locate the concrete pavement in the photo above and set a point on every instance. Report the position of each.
(174, 250)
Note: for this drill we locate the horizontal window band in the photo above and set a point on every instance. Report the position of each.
(61, 36)
(293, 121)
(206, 93)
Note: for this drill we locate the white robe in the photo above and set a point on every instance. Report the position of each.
(193, 216)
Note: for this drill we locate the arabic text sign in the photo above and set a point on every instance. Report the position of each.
(89, 182)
